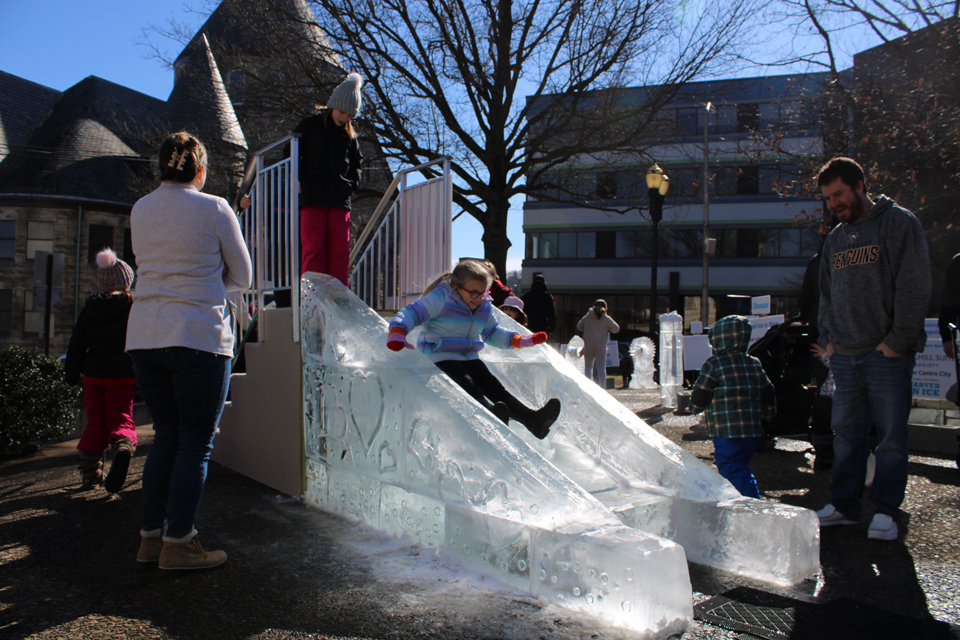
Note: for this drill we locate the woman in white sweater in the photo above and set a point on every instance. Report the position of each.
(596, 327)
(190, 253)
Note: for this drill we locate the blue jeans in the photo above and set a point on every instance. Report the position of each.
(732, 456)
(871, 388)
(184, 390)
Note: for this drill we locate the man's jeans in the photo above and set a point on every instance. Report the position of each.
(871, 388)
(185, 390)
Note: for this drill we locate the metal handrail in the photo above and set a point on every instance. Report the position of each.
(383, 208)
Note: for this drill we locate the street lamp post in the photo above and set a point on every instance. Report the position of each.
(704, 293)
(657, 184)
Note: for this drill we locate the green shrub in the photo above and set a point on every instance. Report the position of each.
(35, 403)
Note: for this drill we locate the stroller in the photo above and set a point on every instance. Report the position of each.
(784, 353)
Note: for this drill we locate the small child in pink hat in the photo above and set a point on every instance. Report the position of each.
(513, 307)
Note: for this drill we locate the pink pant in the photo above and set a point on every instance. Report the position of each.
(109, 415)
(325, 241)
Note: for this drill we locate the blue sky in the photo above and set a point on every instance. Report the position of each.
(58, 43)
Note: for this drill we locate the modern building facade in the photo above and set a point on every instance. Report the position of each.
(763, 141)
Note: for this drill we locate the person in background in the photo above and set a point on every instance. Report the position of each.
(97, 351)
(735, 396)
(458, 320)
(874, 291)
(513, 307)
(539, 306)
(499, 292)
(190, 253)
(596, 326)
(330, 162)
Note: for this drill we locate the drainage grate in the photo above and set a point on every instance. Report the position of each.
(773, 617)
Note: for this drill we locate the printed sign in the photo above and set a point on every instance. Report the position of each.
(934, 372)
(613, 354)
(760, 305)
(760, 326)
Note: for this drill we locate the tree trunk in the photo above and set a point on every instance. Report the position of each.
(495, 241)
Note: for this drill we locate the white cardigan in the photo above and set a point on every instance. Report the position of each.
(189, 252)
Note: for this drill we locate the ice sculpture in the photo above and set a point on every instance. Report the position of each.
(642, 352)
(572, 353)
(671, 358)
(593, 517)
(391, 440)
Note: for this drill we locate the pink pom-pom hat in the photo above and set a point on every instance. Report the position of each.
(115, 274)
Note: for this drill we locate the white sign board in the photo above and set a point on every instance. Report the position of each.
(933, 373)
(760, 305)
(760, 326)
(613, 354)
(696, 350)
(696, 328)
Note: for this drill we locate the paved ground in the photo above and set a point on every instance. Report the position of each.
(67, 560)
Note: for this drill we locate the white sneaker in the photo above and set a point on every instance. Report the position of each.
(830, 516)
(883, 527)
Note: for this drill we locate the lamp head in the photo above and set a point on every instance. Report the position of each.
(654, 177)
(664, 185)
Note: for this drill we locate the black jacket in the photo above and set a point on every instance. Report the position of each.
(329, 164)
(99, 338)
(539, 306)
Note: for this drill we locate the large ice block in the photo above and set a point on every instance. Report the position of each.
(652, 484)
(391, 440)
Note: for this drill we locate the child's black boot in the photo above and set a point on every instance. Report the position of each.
(539, 422)
(123, 448)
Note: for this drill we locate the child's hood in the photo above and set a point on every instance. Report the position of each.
(730, 334)
(107, 306)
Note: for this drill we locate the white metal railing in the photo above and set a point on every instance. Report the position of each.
(271, 229)
(407, 240)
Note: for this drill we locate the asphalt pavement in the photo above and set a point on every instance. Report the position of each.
(67, 567)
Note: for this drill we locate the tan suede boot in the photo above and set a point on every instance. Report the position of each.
(151, 544)
(91, 470)
(185, 554)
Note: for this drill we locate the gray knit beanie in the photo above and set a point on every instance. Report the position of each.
(346, 97)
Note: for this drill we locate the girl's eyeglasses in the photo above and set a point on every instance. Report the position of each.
(473, 294)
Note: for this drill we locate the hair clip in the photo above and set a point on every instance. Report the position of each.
(183, 157)
(177, 160)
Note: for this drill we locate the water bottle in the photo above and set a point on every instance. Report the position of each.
(671, 358)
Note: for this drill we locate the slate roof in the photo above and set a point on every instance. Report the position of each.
(95, 143)
(199, 102)
(23, 106)
(233, 30)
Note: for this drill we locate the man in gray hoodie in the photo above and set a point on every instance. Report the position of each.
(874, 292)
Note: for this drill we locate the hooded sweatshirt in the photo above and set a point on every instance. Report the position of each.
(539, 306)
(732, 389)
(875, 282)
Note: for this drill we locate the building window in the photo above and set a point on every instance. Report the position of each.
(33, 320)
(101, 237)
(748, 243)
(748, 180)
(8, 234)
(587, 245)
(626, 244)
(6, 310)
(606, 244)
(748, 117)
(39, 238)
(566, 245)
(688, 121)
(607, 185)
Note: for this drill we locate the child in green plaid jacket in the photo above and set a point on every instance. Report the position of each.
(735, 395)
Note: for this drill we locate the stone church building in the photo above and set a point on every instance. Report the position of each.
(72, 164)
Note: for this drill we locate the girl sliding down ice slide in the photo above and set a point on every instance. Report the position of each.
(457, 317)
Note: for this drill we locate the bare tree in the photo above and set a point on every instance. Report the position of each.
(511, 89)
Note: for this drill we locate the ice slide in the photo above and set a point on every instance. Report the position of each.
(600, 517)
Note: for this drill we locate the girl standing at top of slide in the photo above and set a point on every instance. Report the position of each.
(329, 174)
(457, 317)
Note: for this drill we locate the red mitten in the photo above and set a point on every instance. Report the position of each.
(539, 337)
(531, 340)
(397, 340)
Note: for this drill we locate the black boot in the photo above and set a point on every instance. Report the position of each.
(502, 412)
(538, 422)
(123, 450)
